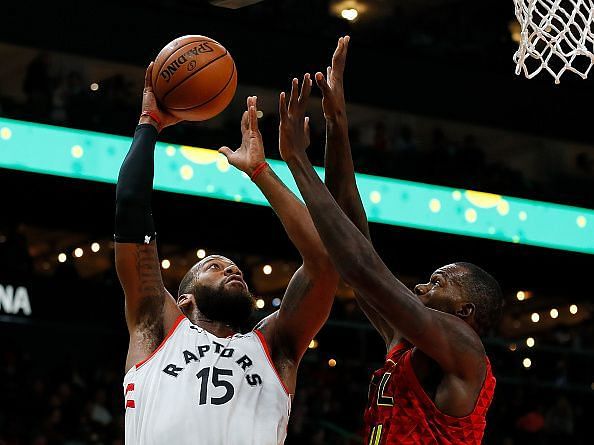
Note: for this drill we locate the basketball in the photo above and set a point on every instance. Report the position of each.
(194, 78)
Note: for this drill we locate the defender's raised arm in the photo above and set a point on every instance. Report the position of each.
(309, 296)
(340, 171)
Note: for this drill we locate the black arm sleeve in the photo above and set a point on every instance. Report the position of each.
(133, 215)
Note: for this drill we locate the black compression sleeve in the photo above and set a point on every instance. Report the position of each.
(133, 216)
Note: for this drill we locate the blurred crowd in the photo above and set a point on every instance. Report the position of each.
(63, 386)
(61, 371)
(388, 150)
(63, 395)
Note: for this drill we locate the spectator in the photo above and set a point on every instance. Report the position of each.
(38, 86)
(99, 412)
(531, 425)
(560, 421)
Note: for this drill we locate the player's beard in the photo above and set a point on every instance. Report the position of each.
(232, 306)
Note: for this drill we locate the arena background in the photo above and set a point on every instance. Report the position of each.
(433, 99)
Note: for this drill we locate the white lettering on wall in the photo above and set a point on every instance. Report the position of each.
(12, 302)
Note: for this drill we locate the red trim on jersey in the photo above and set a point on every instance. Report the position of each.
(418, 388)
(399, 346)
(130, 404)
(267, 351)
(169, 334)
(129, 387)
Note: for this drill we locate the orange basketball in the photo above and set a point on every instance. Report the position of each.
(194, 78)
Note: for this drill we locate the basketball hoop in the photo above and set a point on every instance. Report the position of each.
(556, 35)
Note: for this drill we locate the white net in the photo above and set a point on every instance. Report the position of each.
(556, 35)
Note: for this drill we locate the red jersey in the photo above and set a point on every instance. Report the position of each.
(400, 412)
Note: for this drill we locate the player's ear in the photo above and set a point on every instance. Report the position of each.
(466, 310)
(185, 300)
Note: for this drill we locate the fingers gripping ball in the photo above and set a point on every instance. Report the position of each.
(194, 78)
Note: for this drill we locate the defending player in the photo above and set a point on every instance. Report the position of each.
(436, 384)
(190, 377)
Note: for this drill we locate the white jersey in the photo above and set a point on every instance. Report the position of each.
(197, 388)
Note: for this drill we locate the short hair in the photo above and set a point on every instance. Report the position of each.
(188, 282)
(486, 295)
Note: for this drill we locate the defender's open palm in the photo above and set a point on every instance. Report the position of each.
(294, 126)
(251, 152)
(332, 85)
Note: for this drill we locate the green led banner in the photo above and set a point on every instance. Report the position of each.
(196, 171)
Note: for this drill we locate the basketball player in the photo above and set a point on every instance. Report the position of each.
(191, 377)
(436, 384)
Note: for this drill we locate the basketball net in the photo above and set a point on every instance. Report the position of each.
(556, 35)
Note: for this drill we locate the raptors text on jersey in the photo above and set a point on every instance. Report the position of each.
(199, 388)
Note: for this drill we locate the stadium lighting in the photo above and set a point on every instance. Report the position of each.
(332, 363)
(515, 30)
(62, 258)
(267, 269)
(527, 363)
(94, 86)
(95, 247)
(313, 344)
(554, 313)
(349, 14)
(535, 317)
(165, 264)
(521, 295)
(276, 302)
(201, 253)
(530, 342)
(573, 309)
(78, 252)
(260, 303)
(513, 347)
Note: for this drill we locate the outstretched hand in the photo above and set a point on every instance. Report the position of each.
(294, 126)
(332, 86)
(251, 152)
(149, 105)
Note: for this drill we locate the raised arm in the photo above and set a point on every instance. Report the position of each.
(340, 171)
(150, 309)
(445, 338)
(308, 298)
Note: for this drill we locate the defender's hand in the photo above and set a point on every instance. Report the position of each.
(149, 105)
(251, 152)
(294, 126)
(332, 88)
